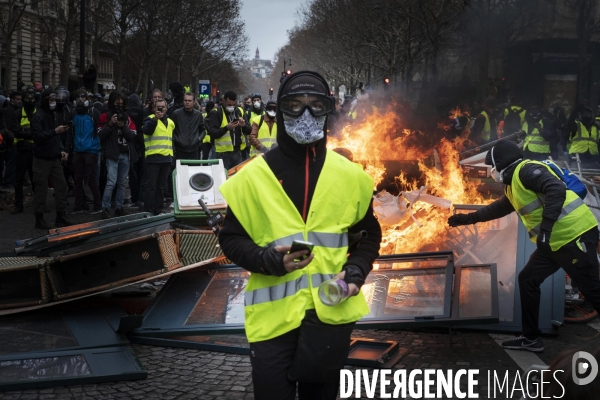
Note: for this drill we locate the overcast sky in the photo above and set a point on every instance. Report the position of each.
(267, 23)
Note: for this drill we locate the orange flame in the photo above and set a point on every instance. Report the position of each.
(380, 137)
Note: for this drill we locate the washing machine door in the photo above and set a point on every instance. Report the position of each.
(201, 181)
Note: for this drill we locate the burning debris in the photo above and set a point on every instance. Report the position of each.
(423, 170)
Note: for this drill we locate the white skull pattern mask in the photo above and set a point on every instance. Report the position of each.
(305, 129)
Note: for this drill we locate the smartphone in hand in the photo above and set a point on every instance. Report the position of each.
(298, 245)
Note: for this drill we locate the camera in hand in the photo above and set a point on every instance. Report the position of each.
(122, 116)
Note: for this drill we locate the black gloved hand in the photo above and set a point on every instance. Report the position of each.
(543, 241)
(272, 262)
(353, 275)
(460, 219)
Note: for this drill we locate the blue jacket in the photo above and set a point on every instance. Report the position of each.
(85, 126)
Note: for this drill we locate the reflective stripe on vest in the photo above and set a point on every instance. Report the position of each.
(224, 143)
(265, 136)
(161, 142)
(534, 141)
(584, 140)
(575, 217)
(487, 128)
(276, 305)
(289, 288)
(24, 124)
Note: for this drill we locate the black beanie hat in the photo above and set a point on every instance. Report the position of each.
(304, 82)
(505, 153)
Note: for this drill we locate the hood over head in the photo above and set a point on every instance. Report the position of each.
(301, 82)
(45, 99)
(134, 101)
(176, 89)
(505, 153)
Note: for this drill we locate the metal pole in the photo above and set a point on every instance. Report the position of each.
(81, 38)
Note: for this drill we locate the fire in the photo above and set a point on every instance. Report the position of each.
(380, 137)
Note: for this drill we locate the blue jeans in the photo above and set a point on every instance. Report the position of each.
(116, 173)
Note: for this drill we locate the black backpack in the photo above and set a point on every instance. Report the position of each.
(512, 121)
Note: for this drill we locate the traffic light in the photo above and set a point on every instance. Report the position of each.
(271, 92)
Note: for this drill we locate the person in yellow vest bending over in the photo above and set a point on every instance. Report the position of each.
(300, 191)
(536, 145)
(558, 221)
(583, 140)
(158, 140)
(264, 130)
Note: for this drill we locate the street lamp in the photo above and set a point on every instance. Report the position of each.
(288, 62)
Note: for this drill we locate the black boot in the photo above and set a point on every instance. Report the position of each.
(40, 223)
(62, 220)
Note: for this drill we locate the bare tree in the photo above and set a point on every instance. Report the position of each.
(116, 16)
(65, 24)
(11, 13)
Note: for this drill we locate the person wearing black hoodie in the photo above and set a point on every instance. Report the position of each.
(24, 146)
(136, 170)
(558, 221)
(299, 186)
(117, 131)
(48, 152)
(176, 91)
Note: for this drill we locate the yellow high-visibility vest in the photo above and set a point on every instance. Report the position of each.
(207, 136)
(161, 142)
(224, 143)
(24, 124)
(534, 141)
(584, 140)
(575, 217)
(275, 305)
(487, 128)
(266, 136)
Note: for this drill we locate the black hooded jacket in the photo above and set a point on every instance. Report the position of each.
(290, 163)
(46, 142)
(534, 177)
(176, 89)
(135, 111)
(12, 120)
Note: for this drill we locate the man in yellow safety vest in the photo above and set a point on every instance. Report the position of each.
(583, 140)
(558, 221)
(300, 190)
(227, 130)
(158, 140)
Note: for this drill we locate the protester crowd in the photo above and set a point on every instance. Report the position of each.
(122, 150)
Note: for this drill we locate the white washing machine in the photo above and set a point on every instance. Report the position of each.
(195, 182)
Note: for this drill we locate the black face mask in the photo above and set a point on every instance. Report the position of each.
(586, 120)
(29, 104)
